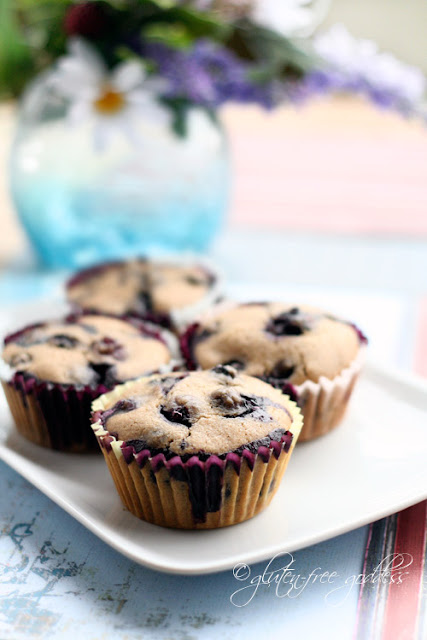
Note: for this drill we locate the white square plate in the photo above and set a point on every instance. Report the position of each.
(374, 464)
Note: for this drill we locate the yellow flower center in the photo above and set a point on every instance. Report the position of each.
(109, 102)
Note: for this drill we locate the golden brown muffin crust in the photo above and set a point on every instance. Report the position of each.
(66, 353)
(277, 340)
(206, 411)
(133, 285)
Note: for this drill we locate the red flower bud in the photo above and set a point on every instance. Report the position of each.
(89, 20)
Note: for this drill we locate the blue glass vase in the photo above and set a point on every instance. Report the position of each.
(80, 205)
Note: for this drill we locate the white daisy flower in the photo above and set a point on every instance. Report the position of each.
(112, 101)
(291, 18)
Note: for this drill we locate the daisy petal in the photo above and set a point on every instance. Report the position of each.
(290, 17)
(138, 97)
(141, 98)
(129, 129)
(74, 84)
(157, 85)
(128, 75)
(73, 67)
(78, 112)
(149, 110)
(101, 135)
(88, 56)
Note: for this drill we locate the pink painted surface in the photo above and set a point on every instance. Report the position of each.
(405, 601)
(405, 598)
(337, 166)
(420, 357)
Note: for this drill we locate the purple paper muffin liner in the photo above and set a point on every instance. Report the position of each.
(186, 341)
(53, 415)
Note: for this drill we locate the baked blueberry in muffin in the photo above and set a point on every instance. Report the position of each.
(169, 293)
(196, 450)
(55, 370)
(292, 347)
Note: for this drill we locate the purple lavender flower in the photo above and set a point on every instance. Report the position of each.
(186, 78)
(356, 66)
(209, 75)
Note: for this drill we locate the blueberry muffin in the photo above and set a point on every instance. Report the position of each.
(171, 294)
(196, 450)
(54, 370)
(313, 356)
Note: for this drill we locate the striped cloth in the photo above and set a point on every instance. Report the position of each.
(389, 607)
(392, 599)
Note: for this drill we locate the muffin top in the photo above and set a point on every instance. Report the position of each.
(276, 342)
(212, 412)
(139, 286)
(87, 350)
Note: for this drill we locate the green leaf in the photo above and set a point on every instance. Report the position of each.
(174, 35)
(194, 23)
(31, 37)
(201, 24)
(180, 108)
(273, 54)
(164, 4)
(15, 59)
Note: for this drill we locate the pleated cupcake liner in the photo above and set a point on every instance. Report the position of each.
(52, 415)
(186, 342)
(323, 404)
(199, 492)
